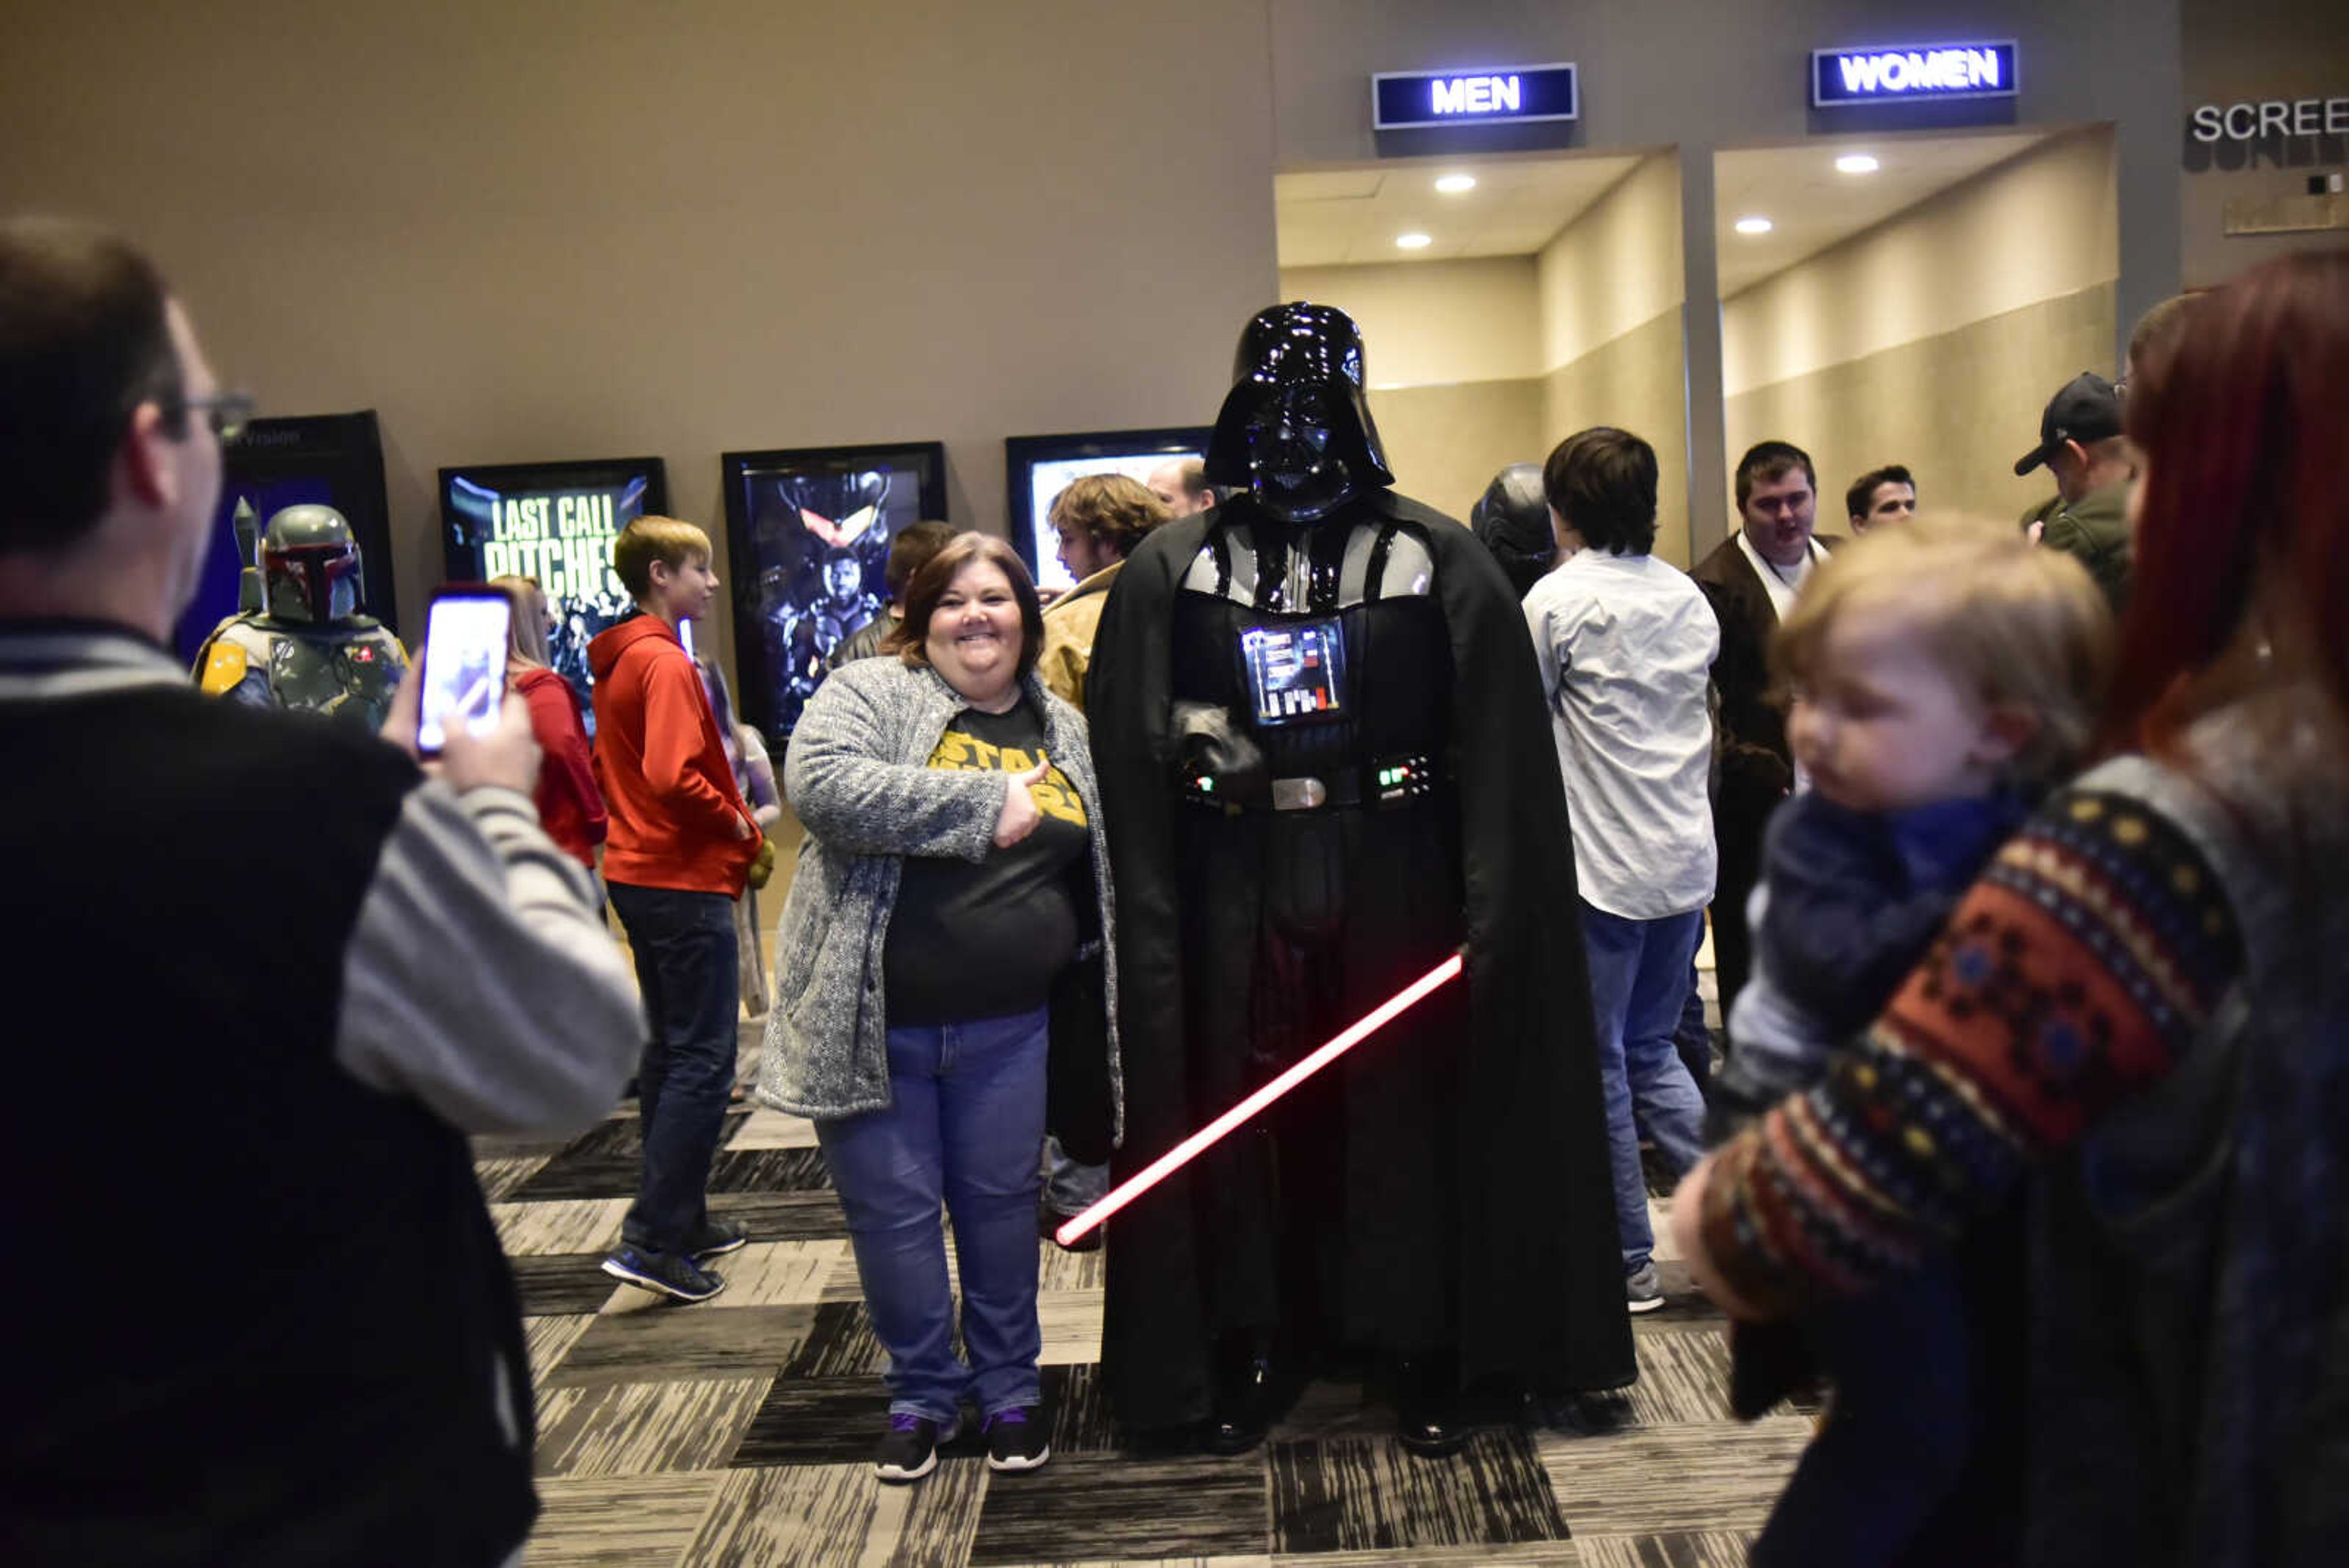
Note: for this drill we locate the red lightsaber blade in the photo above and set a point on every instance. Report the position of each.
(1182, 1153)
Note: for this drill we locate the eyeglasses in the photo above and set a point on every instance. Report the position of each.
(227, 413)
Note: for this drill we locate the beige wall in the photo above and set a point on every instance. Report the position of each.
(1936, 338)
(1432, 323)
(544, 229)
(1957, 407)
(1479, 364)
(1613, 344)
(1452, 352)
(1617, 266)
(2250, 51)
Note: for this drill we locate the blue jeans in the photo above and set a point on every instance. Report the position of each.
(966, 1119)
(1638, 981)
(684, 947)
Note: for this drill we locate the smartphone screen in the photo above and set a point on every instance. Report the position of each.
(465, 644)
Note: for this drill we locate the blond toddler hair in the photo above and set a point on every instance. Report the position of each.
(2022, 629)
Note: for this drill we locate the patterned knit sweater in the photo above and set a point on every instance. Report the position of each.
(2076, 970)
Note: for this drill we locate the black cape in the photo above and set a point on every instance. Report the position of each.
(1540, 1287)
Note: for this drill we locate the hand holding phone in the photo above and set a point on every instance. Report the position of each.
(467, 635)
(506, 758)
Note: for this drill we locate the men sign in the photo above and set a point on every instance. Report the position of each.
(1504, 95)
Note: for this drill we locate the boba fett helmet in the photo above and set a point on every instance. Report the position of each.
(310, 565)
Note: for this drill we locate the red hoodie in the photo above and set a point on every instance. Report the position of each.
(569, 806)
(675, 812)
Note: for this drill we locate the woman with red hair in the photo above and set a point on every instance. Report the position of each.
(2137, 1023)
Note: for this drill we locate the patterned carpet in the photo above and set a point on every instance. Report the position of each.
(737, 1432)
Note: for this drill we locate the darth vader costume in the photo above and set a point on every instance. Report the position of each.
(1325, 766)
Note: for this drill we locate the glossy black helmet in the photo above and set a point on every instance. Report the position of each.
(1511, 519)
(1296, 430)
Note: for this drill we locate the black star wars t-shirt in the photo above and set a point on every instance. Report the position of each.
(984, 940)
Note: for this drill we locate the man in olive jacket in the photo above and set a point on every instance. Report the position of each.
(2080, 442)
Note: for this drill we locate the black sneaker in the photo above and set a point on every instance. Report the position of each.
(1015, 1440)
(716, 1239)
(909, 1448)
(670, 1274)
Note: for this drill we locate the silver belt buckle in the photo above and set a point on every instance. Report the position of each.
(1299, 795)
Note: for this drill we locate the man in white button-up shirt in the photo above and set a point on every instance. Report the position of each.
(1626, 644)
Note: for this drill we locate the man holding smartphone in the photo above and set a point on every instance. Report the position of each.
(313, 1354)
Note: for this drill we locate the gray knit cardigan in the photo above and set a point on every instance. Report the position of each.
(857, 776)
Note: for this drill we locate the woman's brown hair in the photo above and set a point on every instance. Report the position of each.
(910, 640)
(2244, 502)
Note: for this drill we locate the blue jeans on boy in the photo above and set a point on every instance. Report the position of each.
(684, 947)
(1638, 981)
(965, 1121)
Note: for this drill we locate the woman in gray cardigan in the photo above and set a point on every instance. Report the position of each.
(954, 873)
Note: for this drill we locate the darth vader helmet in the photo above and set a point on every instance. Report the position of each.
(311, 566)
(1294, 430)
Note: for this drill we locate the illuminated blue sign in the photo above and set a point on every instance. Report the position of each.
(1506, 95)
(1841, 78)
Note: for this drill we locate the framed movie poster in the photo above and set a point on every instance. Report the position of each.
(324, 460)
(555, 522)
(809, 531)
(1038, 468)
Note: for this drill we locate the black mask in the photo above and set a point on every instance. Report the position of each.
(1296, 430)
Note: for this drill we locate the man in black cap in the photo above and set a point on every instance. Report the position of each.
(2080, 442)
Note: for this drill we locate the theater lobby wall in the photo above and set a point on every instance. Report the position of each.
(544, 230)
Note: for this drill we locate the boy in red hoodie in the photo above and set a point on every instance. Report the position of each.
(681, 843)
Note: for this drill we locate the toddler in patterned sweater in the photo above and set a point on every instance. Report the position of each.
(1943, 675)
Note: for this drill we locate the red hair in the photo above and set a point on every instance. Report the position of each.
(2245, 491)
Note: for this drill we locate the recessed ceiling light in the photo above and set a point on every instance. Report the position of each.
(1753, 226)
(1855, 163)
(1453, 184)
(1414, 240)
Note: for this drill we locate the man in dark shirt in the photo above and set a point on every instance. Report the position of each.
(338, 1376)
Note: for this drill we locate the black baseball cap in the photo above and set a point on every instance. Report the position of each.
(2087, 409)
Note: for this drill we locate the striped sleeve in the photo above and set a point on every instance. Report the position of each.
(479, 979)
(2078, 969)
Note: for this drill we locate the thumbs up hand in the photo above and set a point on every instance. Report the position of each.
(1021, 813)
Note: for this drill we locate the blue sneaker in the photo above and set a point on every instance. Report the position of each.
(1015, 1440)
(670, 1274)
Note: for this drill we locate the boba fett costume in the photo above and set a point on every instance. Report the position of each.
(306, 646)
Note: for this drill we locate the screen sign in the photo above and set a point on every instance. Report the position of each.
(1841, 78)
(1502, 95)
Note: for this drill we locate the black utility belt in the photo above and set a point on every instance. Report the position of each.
(1404, 778)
